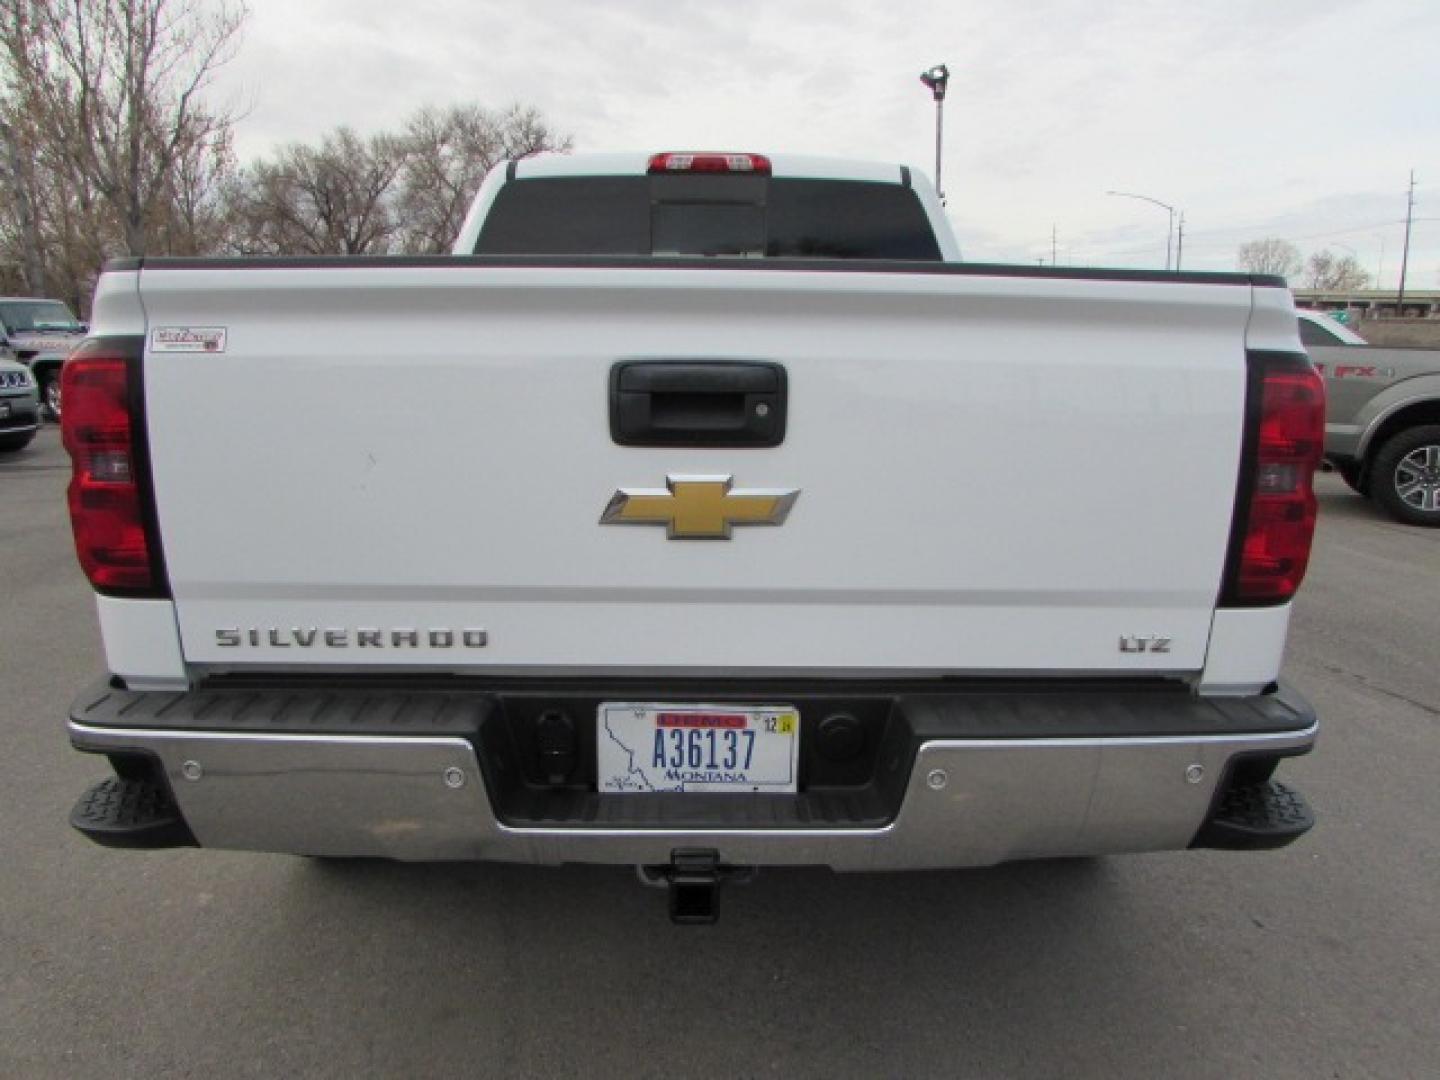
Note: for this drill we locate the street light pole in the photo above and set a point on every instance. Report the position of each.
(937, 79)
(1170, 229)
(1405, 251)
(939, 142)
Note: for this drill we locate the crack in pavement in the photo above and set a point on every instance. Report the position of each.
(1433, 710)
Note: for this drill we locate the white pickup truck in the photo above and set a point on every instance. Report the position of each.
(701, 512)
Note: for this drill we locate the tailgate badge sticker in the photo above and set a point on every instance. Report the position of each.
(1144, 643)
(201, 339)
(699, 507)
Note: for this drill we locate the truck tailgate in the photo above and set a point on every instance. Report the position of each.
(995, 473)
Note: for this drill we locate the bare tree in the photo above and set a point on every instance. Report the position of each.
(21, 205)
(1325, 271)
(116, 87)
(356, 196)
(109, 146)
(330, 199)
(193, 215)
(448, 153)
(1270, 256)
(70, 225)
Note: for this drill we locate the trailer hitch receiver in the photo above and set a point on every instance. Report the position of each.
(693, 878)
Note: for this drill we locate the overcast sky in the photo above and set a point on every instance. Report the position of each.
(1293, 118)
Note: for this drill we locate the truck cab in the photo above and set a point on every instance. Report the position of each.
(707, 205)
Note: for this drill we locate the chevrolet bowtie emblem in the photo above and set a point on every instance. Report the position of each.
(699, 507)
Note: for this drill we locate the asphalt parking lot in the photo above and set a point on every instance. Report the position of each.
(1319, 960)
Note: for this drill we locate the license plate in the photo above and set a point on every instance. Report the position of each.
(652, 747)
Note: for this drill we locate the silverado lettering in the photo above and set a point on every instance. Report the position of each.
(337, 638)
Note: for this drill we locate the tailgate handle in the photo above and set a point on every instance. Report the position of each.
(697, 403)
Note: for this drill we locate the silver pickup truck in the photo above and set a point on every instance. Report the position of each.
(1382, 417)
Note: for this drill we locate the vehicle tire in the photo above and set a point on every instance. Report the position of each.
(16, 442)
(1354, 477)
(50, 396)
(1405, 476)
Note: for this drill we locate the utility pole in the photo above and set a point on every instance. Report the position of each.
(937, 79)
(1180, 242)
(1053, 261)
(31, 266)
(1405, 253)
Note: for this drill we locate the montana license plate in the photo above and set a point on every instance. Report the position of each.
(649, 747)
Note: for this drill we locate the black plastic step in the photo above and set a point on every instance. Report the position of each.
(1257, 817)
(130, 814)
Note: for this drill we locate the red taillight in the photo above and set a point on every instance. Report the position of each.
(750, 164)
(106, 502)
(1276, 510)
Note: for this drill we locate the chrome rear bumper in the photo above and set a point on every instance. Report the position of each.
(968, 802)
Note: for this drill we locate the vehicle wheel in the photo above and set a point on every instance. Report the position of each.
(50, 395)
(1354, 477)
(1405, 478)
(16, 442)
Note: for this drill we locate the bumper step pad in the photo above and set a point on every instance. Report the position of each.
(130, 814)
(1257, 817)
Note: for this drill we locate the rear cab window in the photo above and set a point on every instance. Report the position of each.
(1312, 333)
(708, 216)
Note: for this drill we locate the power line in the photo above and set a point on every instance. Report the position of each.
(1236, 234)
(1241, 229)
(1098, 251)
(1343, 232)
(1423, 193)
